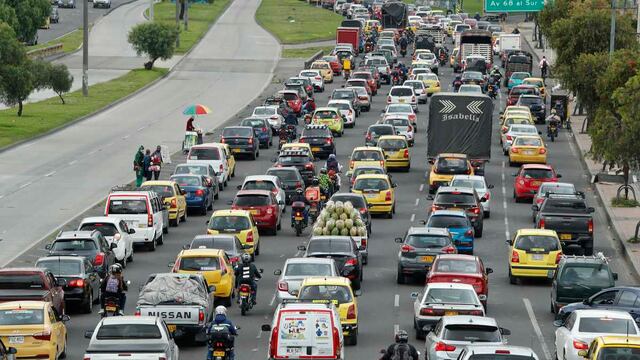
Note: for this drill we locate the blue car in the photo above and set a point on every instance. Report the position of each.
(262, 130)
(199, 192)
(517, 78)
(458, 225)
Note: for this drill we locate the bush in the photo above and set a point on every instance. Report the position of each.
(60, 80)
(622, 202)
(156, 40)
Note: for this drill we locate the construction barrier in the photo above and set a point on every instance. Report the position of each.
(45, 52)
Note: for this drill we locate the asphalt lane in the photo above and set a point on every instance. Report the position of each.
(385, 305)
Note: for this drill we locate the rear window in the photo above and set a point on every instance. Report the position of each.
(566, 205)
(303, 269)
(557, 189)
(229, 223)
(537, 243)
(595, 275)
(199, 263)
(376, 62)
(21, 281)
(527, 141)
(363, 76)
(187, 180)
(340, 294)
(293, 160)
(252, 200)
(284, 175)
(516, 120)
(240, 132)
(366, 155)
(258, 185)
(204, 154)
(162, 190)
(319, 66)
(469, 183)
(452, 166)
(311, 132)
(401, 92)
(363, 170)
(475, 333)
(256, 123)
(522, 91)
(325, 114)
(455, 198)
(309, 73)
(127, 207)
(128, 331)
(289, 97)
(528, 100)
(371, 184)
(105, 229)
(448, 221)
(392, 144)
(74, 244)
(342, 95)
(622, 352)
(341, 106)
(606, 325)
(499, 357)
(22, 317)
(427, 241)
(328, 246)
(416, 85)
(537, 174)
(264, 111)
(456, 266)
(450, 296)
(61, 267)
(381, 130)
(225, 244)
(188, 169)
(518, 59)
(397, 122)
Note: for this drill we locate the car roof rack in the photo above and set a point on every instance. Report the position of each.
(316, 126)
(294, 152)
(575, 193)
(598, 256)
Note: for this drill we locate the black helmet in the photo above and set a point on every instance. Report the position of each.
(315, 181)
(402, 337)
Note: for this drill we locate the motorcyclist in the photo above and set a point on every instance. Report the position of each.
(292, 119)
(332, 163)
(401, 345)
(457, 82)
(221, 319)
(299, 197)
(403, 44)
(495, 73)
(312, 193)
(247, 273)
(309, 106)
(403, 72)
(114, 285)
(552, 120)
(477, 16)
(395, 75)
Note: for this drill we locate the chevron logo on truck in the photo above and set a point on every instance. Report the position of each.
(474, 106)
(447, 106)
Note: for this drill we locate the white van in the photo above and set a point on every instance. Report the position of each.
(142, 211)
(211, 154)
(305, 330)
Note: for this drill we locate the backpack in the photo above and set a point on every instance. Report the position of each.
(401, 352)
(112, 285)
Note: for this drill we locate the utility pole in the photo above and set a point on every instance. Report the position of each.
(612, 35)
(85, 48)
(186, 15)
(178, 22)
(151, 10)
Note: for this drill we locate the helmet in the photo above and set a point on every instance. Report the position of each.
(221, 310)
(246, 258)
(115, 269)
(323, 171)
(314, 181)
(553, 111)
(299, 191)
(495, 67)
(332, 156)
(402, 336)
(458, 77)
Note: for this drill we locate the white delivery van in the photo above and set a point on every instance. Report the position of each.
(211, 154)
(305, 330)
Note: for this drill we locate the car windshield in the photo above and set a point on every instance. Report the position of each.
(403, 91)
(328, 246)
(499, 357)
(454, 198)
(341, 106)
(258, 185)
(448, 221)
(456, 266)
(451, 166)
(537, 83)
(537, 174)
(235, 131)
(204, 154)
(472, 333)
(525, 90)
(22, 317)
(473, 75)
(187, 180)
(106, 229)
(128, 331)
(470, 88)
(21, 281)
(224, 243)
(366, 155)
(74, 245)
(191, 169)
(397, 122)
(308, 269)
(61, 267)
(256, 123)
(252, 200)
(620, 352)
(450, 296)
(606, 325)
(469, 183)
(537, 243)
(284, 175)
(339, 294)
(517, 120)
(229, 223)
(589, 275)
(290, 96)
(162, 190)
(527, 141)
(381, 130)
(264, 111)
(392, 144)
(427, 241)
(202, 263)
(124, 206)
(377, 62)
(342, 95)
(364, 76)
(426, 56)
(325, 114)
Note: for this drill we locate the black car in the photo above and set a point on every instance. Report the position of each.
(7, 353)
(536, 105)
(290, 179)
(229, 243)
(579, 277)
(467, 199)
(299, 160)
(347, 94)
(90, 244)
(241, 141)
(419, 247)
(375, 131)
(82, 280)
(473, 77)
(621, 298)
(343, 250)
(359, 202)
(320, 138)
(200, 169)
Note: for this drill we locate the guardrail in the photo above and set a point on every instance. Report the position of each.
(316, 56)
(45, 52)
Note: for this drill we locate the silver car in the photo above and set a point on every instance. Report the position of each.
(479, 183)
(295, 270)
(419, 89)
(514, 130)
(269, 113)
(555, 188)
(497, 352)
(454, 333)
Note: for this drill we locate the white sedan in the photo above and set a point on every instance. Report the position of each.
(269, 113)
(115, 231)
(315, 77)
(401, 109)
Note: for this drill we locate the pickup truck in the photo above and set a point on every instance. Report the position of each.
(183, 301)
(32, 284)
(570, 217)
(131, 338)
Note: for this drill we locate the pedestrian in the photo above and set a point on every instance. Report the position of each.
(138, 166)
(147, 164)
(156, 162)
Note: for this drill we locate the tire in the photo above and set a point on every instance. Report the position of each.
(87, 307)
(220, 187)
(257, 252)
(130, 258)
(210, 205)
(165, 230)
(356, 284)
(174, 222)
(253, 156)
(487, 214)
(512, 279)
(352, 339)
(152, 245)
(226, 183)
(161, 240)
(63, 354)
(479, 231)
(400, 277)
(203, 210)
(258, 154)
(184, 216)
(552, 308)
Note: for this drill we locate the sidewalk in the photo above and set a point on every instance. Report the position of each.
(622, 221)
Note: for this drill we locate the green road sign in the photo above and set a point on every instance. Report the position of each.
(513, 5)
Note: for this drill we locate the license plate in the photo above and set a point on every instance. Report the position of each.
(315, 149)
(235, 150)
(345, 333)
(565, 236)
(371, 196)
(255, 212)
(171, 328)
(529, 152)
(218, 353)
(298, 218)
(142, 225)
(401, 100)
(450, 313)
(242, 293)
(426, 259)
(110, 308)
(536, 183)
(16, 339)
(537, 256)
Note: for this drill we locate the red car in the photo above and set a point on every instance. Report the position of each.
(23, 284)
(293, 100)
(518, 90)
(334, 62)
(529, 178)
(465, 269)
(364, 75)
(263, 206)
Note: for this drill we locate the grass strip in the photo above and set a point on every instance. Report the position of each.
(70, 42)
(306, 52)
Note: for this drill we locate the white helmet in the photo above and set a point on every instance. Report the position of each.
(221, 310)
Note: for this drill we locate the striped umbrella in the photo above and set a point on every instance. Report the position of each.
(196, 109)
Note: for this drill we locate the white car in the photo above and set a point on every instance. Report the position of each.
(480, 185)
(115, 231)
(295, 270)
(315, 77)
(266, 182)
(211, 154)
(551, 187)
(470, 88)
(455, 333)
(269, 113)
(402, 125)
(402, 109)
(419, 89)
(443, 299)
(497, 352)
(403, 95)
(102, 3)
(514, 130)
(347, 111)
(582, 326)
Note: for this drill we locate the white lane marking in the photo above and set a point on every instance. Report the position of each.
(273, 299)
(536, 328)
(421, 187)
(254, 350)
(73, 162)
(396, 328)
(417, 202)
(50, 174)
(413, 217)
(396, 300)
(259, 334)
(25, 184)
(503, 164)
(125, 137)
(92, 152)
(1, 196)
(281, 255)
(141, 128)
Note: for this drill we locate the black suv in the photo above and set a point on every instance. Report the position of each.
(299, 160)
(536, 105)
(347, 94)
(90, 244)
(320, 139)
(342, 249)
(579, 277)
(241, 140)
(467, 199)
(290, 179)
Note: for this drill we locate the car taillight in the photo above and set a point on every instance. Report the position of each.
(515, 258)
(514, 150)
(45, 335)
(309, 166)
(469, 232)
(162, 358)
(283, 286)
(351, 262)
(381, 163)
(270, 210)
(199, 192)
(273, 117)
(298, 184)
(509, 137)
(475, 210)
(558, 257)
(387, 197)
(99, 259)
(542, 150)
(318, 78)
(475, 313)
(76, 283)
(440, 346)
(222, 140)
(329, 141)
(504, 129)
(250, 140)
(174, 203)
(274, 190)
(273, 343)
(362, 97)
(407, 248)
(221, 168)
(351, 164)
(504, 352)
(431, 312)
(201, 316)
(264, 129)
(388, 99)
(449, 249)
(175, 267)
(406, 153)
(302, 140)
(250, 236)
(412, 117)
(590, 226)
(579, 345)
(351, 312)
(234, 259)
(541, 224)
(336, 342)
(137, 312)
(368, 137)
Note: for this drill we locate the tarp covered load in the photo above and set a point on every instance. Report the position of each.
(173, 290)
(394, 15)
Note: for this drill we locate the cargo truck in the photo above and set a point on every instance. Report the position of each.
(349, 35)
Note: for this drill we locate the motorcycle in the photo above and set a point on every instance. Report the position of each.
(456, 85)
(246, 297)
(297, 217)
(491, 90)
(220, 343)
(552, 131)
(443, 59)
(396, 79)
(111, 306)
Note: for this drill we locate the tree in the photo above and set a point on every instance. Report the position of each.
(31, 15)
(40, 71)
(60, 80)
(156, 40)
(12, 51)
(8, 14)
(588, 68)
(16, 84)
(553, 11)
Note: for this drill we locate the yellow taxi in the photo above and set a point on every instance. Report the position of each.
(331, 117)
(537, 82)
(173, 196)
(325, 70)
(231, 160)
(304, 147)
(379, 192)
(445, 166)
(33, 329)
(515, 109)
(215, 267)
(533, 253)
(609, 347)
(239, 223)
(453, 57)
(372, 25)
(527, 149)
(335, 289)
(396, 151)
(431, 82)
(514, 118)
(367, 156)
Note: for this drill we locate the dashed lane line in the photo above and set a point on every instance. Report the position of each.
(536, 328)
(396, 300)
(413, 218)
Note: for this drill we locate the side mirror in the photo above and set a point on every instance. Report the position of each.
(230, 202)
(302, 248)
(358, 293)
(490, 186)
(432, 161)
(212, 288)
(505, 332)
(113, 246)
(278, 272)
(186, 247)
(423, 222)
(429, 197)
(12, 351)
(483, 199)
(488, 271)
(535, 207)
(47, 247)
(427, 328)
(414, 295)
(615, 277)
(582, 353)
(132, 231)
(261, 271)
(362, 248)
(591, 210)
(344, 273)
(239, 187)
(558, 176)
(171, 264)
(509, 242)
(265, 327)
(395, 185)
(183, 192)
(61, 282)
(398, 240)
(65, 318)
(88, 334)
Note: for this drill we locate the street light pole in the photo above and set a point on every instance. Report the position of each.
(612, 35)
(85, 48)
(151, 10)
